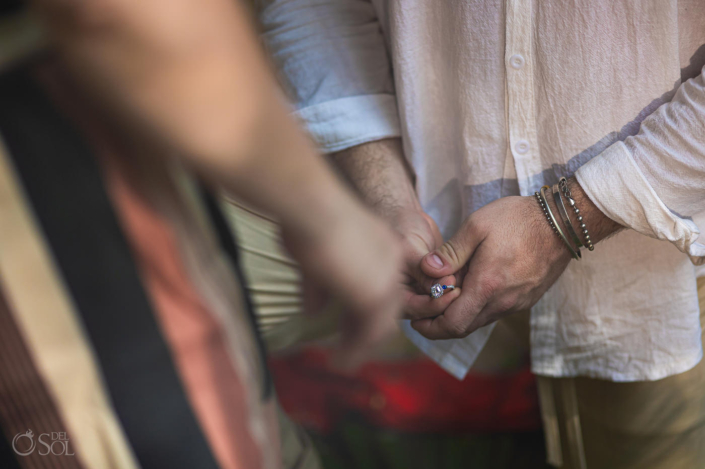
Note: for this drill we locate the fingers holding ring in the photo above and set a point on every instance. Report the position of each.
(438, 290)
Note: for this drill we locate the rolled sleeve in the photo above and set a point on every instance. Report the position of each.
(333, 64)
(346, 122)
(618, 187)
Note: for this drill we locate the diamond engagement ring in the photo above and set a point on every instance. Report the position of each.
(438, 290)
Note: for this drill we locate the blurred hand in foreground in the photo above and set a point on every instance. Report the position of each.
(196, 82)
(356, 260)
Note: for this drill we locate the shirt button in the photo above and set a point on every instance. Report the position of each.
(516, 61)
(522, 147)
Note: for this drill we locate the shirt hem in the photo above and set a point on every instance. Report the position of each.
(586, 370)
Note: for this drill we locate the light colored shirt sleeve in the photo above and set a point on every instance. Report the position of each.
(334, 66)
(654, 182)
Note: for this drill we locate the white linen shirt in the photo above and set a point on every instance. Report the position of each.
(495, 98)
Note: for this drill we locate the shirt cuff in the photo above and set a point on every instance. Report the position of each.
(456, 356)
(616, 185)
(347, 122)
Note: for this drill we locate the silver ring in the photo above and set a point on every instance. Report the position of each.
(438, 290)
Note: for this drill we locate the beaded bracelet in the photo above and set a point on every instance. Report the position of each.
(563, 184)
(543, 202)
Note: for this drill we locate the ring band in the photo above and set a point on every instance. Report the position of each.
(438, 290)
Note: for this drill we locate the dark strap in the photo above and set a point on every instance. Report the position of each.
(8, 458)
(66, 191)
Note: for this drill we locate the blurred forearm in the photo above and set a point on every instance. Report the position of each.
(194, 76)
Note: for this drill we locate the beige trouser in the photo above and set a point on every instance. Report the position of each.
(597, 424)
(273, 282)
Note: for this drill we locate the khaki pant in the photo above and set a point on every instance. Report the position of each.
(597, 424)
(273, 281)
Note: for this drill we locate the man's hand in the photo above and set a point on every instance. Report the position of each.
(419, 236)
(379, 173)
(512, 257)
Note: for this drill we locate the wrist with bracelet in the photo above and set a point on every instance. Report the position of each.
(561, 191)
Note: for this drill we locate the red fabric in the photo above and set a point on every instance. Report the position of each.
(410, 395)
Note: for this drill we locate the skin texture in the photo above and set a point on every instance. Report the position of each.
(511, 257)
(380, 175)
(504, 257)
(190, 78)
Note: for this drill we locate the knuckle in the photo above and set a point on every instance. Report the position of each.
(506, 303)
(490, 285)
(456, 330)
(476, 226)
(452, 251)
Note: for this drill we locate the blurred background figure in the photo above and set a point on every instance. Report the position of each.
(126, 335)
(399, 410)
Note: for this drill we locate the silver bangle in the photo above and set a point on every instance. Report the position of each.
(564, 216)
(553, 222)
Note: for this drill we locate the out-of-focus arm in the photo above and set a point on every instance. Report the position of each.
(190, 74)
(193, 75)
(655, 181)
(333, 62)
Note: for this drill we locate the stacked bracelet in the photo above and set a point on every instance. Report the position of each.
(543, 202)
(564, 216)
(563, 184)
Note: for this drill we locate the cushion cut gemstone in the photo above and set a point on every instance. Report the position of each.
(436, 291)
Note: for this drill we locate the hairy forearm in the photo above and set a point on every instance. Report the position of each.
(598, 225)
(380, 174)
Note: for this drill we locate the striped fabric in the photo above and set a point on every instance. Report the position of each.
(125, 336)
(25, 401)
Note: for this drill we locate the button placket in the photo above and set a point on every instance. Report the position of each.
(521, 115)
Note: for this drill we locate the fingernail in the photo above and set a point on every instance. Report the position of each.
(435, 261)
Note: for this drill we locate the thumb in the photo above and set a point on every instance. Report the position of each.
(452, 255)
